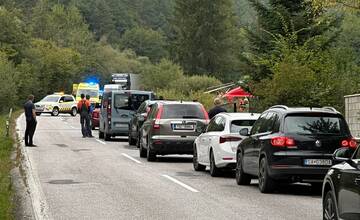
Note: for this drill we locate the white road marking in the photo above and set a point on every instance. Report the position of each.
(101, 142)
(72, 127)
(180, 183)
(131, 158)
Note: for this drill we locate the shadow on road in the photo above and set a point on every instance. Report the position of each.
(295, 189)
(174, 159)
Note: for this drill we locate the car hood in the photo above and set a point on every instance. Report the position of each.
(45, 103)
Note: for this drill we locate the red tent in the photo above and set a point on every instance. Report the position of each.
(235, 93)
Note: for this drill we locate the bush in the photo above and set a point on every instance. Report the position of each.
(8, 94)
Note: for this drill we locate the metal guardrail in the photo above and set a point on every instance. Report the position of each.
(8, 123)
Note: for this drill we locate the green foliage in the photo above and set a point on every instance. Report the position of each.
(204, 35)
(145, 42)
(8, 95)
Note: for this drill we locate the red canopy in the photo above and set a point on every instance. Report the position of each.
(237, 92)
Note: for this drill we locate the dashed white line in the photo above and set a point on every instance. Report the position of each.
(131, 158)
(101, 142)
(180, 183)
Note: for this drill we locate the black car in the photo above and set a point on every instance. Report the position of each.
(138, 120)
(341, 188)
(291, 145)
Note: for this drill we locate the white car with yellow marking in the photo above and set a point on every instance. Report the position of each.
(56, 104)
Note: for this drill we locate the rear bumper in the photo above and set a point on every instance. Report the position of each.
(95, 122)
(171, 145)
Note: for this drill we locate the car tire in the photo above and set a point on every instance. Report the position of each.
(107, 137)
(196, 165)
(329, 207)
(101, 134)
(55, 111)
(150, 155)
(142, 150)
(38, 113)
(241, 177)
(93, 128)
(131, 140)
(266, 184)
(73, 112)
(214, 171)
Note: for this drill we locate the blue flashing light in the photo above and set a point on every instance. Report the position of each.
(92, 80)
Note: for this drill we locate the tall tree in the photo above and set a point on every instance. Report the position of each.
(204, 35)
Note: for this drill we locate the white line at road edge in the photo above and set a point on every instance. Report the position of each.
(180, 183)
(131, 158)
(101, 142)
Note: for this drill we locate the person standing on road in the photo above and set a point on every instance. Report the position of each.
(31, 122)
(88, 118)
(217, 109)
(83, 108)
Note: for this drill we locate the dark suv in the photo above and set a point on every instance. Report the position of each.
(291, 145)
(171, 128)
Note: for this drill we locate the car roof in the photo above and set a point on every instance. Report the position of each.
(240, 115)
(129, 91)
(289, 110)
(168, 102)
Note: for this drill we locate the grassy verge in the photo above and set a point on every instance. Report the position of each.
(6, 164)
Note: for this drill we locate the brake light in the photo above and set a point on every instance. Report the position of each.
(224, 139)
(282, 142)
(158, 117)
(109, 111)
(351, 143)
(206, 115)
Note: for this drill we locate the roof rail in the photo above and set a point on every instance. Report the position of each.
(280, 106)
(330, 108)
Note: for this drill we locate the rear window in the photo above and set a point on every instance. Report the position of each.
(237, 125)
(323, 125)
(183, 111)
(129, 102)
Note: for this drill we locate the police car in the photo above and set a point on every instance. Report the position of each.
(56, 104)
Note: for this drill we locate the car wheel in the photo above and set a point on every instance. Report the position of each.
(329, 207)
(92, 127)
(196, 165)
(214, 171)
(131, 140)
(101, 134)
(150, 155)
(55, 112)
(38, 113)
(266, 184)
(73, 112)
(241, 177)
(107, 137)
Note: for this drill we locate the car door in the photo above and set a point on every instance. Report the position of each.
(249, 155)
(68, 103)
(147, 125)
(349, 189)
(215, 136)
(134, 123)
(204, 142)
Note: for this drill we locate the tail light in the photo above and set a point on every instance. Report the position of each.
(158, 117)
(109, 111)
(206, 115)
(351, 143)
(282, 142)
(224, 139)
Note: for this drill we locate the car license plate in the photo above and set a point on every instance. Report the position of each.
(317, 162)
(118, 125)
(183, 127)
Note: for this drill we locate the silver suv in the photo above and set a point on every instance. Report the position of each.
(171, 128)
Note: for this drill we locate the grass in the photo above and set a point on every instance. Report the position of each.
(6, 164)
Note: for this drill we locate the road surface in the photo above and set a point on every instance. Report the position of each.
(79, 178)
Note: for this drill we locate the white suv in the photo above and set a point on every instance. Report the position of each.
(55, 104)
(217, 146)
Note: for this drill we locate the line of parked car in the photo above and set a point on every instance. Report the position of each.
(281, 145)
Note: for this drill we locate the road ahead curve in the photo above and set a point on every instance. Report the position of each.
(91, 179)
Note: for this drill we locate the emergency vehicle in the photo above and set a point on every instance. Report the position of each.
(91, 89)
(56, 104)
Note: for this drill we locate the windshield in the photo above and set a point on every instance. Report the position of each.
(129, 102)
(237, 125)
(183, 111)
(50, 99)
(314, 125)
(91, 92)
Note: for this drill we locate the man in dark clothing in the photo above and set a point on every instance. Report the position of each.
(217, 109)
(31, 122)
(88, 118)
(83, 108)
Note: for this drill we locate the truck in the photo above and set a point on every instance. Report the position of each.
(122, 79)
(92, 89)
(352, 114)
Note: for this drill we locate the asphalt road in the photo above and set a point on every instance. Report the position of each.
(90, 179)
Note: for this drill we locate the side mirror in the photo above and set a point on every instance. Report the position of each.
(244, 132)
(201, 128)
(143, 116)
(61, 101)
(343, 154)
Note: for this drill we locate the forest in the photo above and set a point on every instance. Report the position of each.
(296, 53)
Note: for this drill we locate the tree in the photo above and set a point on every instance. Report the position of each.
(145, 42)
(8, 90)
(204, 34)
